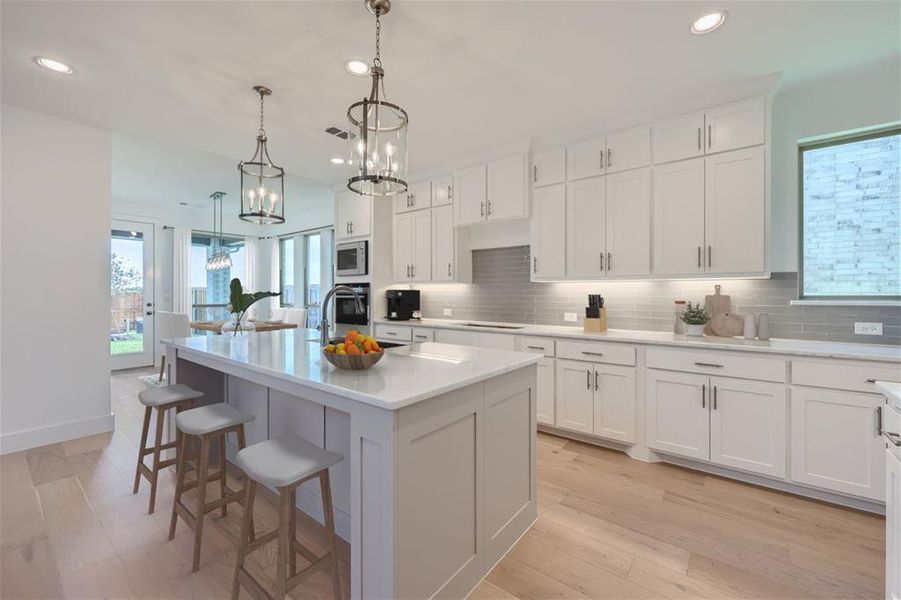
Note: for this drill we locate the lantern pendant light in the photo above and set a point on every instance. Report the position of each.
(220, 258)
(262, 183)
(379, 148)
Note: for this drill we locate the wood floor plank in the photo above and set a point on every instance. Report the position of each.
(740, 582)
(488, 591)
(576, 544)
(21, 519)
(524, 582)
(671, 584)
(28, 570)
(48, 463)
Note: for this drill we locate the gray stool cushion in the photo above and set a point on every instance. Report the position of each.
(167, 394)
(210, 418)
(284, 460)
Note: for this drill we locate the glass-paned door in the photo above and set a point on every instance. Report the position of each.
(317, 272)
(131, 331)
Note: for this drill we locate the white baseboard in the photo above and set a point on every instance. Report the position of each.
(32, 438)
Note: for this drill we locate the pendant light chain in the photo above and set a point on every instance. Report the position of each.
(262, 131)
(378, 38)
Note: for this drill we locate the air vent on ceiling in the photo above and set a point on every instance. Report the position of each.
(339, 133)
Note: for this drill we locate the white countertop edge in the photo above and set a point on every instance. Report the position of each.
(808, 348)
(528, 359)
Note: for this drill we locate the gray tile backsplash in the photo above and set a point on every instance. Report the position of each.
(501, 291)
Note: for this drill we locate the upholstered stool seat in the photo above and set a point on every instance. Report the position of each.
(206, 424)
(285, 463)
(162, 398)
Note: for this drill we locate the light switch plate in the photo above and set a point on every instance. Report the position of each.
(571, 317)
(867, 328)
(448, 312)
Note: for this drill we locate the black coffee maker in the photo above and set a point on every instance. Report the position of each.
(402, 304)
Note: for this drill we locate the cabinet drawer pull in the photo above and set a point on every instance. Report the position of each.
(699, 138)
(879, 430)
(596, 381)
(450, 193)
(709, 136)
(609, 261)
(601, 153)
(588, 379)
(587, 353)
(714, 397)
(871, 381)
(448, 270)
(709, 256)
(481, 209)
(535, 347)
(609, 154)
(602, 262)
(699, 257)
(703, 364)
(894, 438)
(535, 173)
(704, 396)
(421, 337)
(534, 264)
(390, 333)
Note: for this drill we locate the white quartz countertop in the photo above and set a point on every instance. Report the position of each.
(404, 376)
(810, 348)
(892, 392)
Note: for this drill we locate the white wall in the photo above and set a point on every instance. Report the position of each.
(55, 294)
(866, 96)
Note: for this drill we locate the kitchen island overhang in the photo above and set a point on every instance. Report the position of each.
(439, 476)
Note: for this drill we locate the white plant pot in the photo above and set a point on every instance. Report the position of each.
(695, 330)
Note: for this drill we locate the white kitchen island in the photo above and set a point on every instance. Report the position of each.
(439, 443)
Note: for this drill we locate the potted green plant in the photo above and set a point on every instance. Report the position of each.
(238, 304)
(695, 317)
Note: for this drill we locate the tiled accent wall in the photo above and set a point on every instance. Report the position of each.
(501, 291)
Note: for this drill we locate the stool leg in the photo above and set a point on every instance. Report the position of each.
(250, 488)
(248, 512)
(326, 487)
(222, 481)
(292, 532)
(281, 562)
(143, 445)
(160, 418)
(203, 464)
(182, 452)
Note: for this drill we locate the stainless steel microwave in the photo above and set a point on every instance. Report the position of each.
(352, 259)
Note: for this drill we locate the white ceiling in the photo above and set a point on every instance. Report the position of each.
(472, 75)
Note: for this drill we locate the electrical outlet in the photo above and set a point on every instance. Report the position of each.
(448, 312)
(867, 328)
(571, 317)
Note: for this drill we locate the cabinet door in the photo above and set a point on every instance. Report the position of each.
(678, 138)
(586, 215)
(629, 223)
(575, 395)
(442, 190)
(735, 125)
(546, 392)
(403, 246)
(548, 227)
(892, 526)
(344, 213)
(834, 442)
(678, 421)
(298, 416)
(747, 425)
(586, 159)
(679, 217)
(420, 194)
(735, 212)
(614, 403)
(471, 188)
(507, 198)
(421, 256)
(252, 399)
(628, 149)
(443, 252)
(549, 167)
(402, 202)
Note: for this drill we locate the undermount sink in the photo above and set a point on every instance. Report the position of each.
(492, 326)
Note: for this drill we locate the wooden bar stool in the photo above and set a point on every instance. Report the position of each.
(206, 423)
(284, 463)
(163, 398)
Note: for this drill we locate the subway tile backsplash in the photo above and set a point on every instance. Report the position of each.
(501, 291)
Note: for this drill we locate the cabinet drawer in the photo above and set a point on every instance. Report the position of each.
(540, 345)
(614, 354)
(479, 339)
(717, 363)
(421, 334)
(394, 332)
(857, 377)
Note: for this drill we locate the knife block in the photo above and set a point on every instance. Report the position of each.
(597, 325)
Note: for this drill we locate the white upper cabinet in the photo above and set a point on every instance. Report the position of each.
(413, 246)
(418, 195)
(679, 217)
(471, 190)
(353, 215)
(443, 247)
(548, 228)
(629, 223)
(549, 167)
(507, 197)
(678, 138)
(628, 149)
(735, 212)
(403, 246)
(585, 228)
(442, 190)
(586, 159)
(736, 125)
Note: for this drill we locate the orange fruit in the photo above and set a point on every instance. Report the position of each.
(354, 349)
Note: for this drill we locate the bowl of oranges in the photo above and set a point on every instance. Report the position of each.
(354, 352)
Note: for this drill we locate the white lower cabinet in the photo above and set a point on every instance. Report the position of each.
(575, 397)
(545, 409)
(479, 339)
(596, 399)
(678, 421)
(835, 442)
(892, 525)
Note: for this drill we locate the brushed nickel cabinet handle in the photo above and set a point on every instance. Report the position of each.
(595, 381)
(704, 396)
(609, 160)
(714, 397)
(535, 348)
(609, 261)
(448, 270)
(390, 333)
(587, 353)
(699, 257)
(709, 136)
(699, 138)
(601, 154)
(602, 262)
(871, 381)
(450, 193)
(879, 430)
(534, 264)
(535, 173)
(705, 364)
(709, 256)
(489, 208)
(894, 438)
(481, 209)
(588, 379)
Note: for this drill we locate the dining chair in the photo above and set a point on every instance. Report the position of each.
(170, 325)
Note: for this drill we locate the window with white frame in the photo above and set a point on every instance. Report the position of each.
(851, 217)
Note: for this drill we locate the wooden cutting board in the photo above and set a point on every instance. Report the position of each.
(726, 325)
(717, 304)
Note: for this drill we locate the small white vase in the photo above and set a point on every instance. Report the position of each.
(694, 330)
(234, 328)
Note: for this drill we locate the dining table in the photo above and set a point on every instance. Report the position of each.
(216, 326)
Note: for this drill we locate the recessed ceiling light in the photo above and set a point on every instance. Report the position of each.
(337, 160)
(708, 22)
(357, 67)
(53, 65)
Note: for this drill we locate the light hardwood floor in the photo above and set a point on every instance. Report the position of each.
(608, 527)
